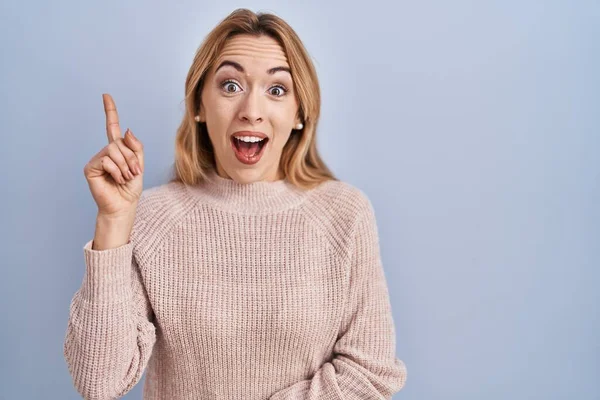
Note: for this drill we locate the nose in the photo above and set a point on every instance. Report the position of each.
(251, 108)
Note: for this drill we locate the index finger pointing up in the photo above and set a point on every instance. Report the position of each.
(113, 131)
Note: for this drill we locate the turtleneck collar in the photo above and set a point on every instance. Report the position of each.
(261, 197)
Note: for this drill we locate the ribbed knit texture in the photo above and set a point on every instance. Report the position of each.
(238, 291)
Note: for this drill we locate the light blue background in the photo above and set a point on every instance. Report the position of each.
(472, 126)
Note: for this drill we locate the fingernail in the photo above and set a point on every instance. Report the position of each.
(131, 134)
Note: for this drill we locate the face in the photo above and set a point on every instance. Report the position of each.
(249, 93)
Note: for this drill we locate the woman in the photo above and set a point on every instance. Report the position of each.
(253, 273)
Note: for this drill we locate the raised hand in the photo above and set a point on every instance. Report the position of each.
(115, 173)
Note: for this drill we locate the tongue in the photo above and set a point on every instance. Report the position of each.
(248, 149)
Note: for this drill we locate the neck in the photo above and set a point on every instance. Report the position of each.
(278, 175)
(261, 197)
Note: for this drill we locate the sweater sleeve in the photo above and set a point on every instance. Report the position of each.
(110, 332)
(364, 365)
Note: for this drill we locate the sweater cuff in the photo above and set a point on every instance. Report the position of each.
(107, 276)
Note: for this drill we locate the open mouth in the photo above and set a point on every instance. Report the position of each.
(248, 152)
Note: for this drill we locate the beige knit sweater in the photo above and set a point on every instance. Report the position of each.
(238, 291)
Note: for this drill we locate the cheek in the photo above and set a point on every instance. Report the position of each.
(281, 138)
(217, 108)
(218, 119)
(220, 110)
(282, 122)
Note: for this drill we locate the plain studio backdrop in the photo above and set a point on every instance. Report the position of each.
(474, 128)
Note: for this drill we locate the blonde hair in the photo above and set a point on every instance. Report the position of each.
(300, 161)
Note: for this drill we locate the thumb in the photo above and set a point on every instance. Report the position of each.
(134, 144)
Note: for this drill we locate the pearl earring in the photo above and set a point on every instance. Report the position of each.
(299, 126)
(197, 118)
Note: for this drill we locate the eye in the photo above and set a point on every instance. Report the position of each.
(228, 83)
(281, 88)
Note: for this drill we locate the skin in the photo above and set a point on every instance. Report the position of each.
(254, 101)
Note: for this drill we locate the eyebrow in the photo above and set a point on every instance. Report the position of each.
(237, 66)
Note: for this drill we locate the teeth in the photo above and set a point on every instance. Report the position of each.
(250, 139)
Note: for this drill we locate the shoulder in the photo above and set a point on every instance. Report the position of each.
(159, 210)
(157, 198)
(340, 197)
(336, 207)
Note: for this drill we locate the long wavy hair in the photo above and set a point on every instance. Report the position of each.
(300, 161)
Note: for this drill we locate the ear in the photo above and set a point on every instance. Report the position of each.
(298, 120)
(201, 114)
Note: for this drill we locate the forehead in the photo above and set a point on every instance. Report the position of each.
(256, 54)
